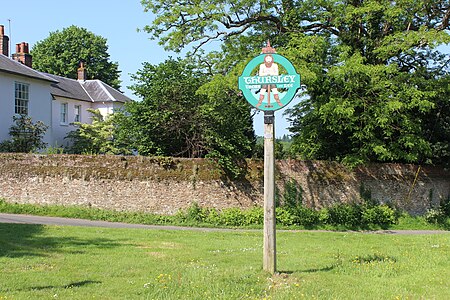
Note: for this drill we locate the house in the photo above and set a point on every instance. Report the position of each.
(57, 101)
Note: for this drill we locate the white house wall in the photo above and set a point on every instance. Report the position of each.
(60, 130)
(105, 108)
(39, 104)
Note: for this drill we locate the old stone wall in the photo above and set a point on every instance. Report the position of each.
(164, 185)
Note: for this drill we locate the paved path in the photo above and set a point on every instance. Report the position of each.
(29, 219)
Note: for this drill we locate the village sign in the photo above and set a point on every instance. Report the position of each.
(269, 90)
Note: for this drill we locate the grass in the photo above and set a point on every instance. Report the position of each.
(54, 262)
(406, 222)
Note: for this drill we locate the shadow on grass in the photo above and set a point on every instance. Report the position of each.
(18, 240)
(325, 269)
(67, 286)
(315, 270)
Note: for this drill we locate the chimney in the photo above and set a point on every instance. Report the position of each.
(81, 72)
(22, 54)
(4, 42)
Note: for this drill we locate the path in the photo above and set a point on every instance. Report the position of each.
(29, 219)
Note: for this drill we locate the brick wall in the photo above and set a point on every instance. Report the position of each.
(164, 185)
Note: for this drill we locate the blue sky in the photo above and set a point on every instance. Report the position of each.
(117, 21)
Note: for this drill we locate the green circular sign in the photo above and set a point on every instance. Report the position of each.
(269, 90)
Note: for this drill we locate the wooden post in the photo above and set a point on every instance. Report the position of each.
(269, 257)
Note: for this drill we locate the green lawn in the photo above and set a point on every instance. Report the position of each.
(51, 262)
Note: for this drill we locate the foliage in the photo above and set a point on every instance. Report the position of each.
(177, 118)
(380, 89)
(339, 215)
(62, 51)
(95, 138)
(345, 214)
(229, 126)
(292, 196)
(441, 214)
(435, 216)
(26, 136)
(445, 206)
(376, 81)
(382, 215)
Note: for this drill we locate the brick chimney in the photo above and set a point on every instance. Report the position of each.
(81, 72)
(4, 41)
(22, 54)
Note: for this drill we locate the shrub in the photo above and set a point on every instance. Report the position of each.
(26, 136)
(195, 213)
(435, 216)
(213, 217)
(379, 215)
(232, 217)
(439, 215)
(324, 216)
(307, 216)
(286, 216)
(445, 206)
(95, 138)
(254, 216)
(345, 214)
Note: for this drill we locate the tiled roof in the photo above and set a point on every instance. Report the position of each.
(101, 92)
(68, 88)
(8, 65)
(89, 90)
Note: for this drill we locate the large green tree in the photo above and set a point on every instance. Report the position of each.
(62, 51)
(181, 116)
(376, 81)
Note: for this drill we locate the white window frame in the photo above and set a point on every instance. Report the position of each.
(77, 113)
(21, 98)
(63, 113)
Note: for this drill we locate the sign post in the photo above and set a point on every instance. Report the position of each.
(269, 249)
(268, 91)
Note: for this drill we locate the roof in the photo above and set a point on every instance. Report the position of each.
(11, 66)
(68, 88)
(100, 91)
(89, 90)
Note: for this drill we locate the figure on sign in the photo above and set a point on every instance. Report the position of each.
(268, 68)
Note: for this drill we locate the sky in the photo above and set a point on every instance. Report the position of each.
(31, 21)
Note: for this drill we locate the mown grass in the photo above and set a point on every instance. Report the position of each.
(58, 262)
(405, 222)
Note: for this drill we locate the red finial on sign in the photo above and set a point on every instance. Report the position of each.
(268, 48)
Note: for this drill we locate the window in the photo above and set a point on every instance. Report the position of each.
(63, 116)
(22, 96)
(77, 113)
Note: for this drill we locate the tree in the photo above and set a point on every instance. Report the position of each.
(166, 122)
(62, 51)
(373, 73)
(177, 118)
(26, 136)
(95, 138)
(372, 85)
